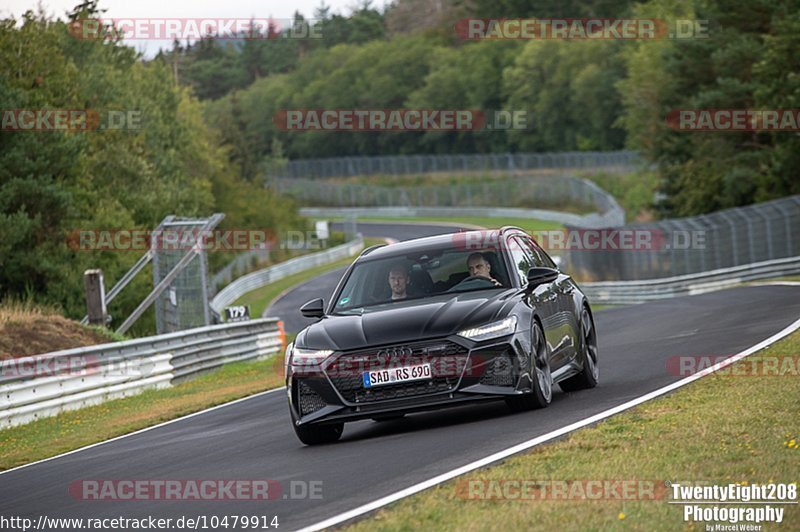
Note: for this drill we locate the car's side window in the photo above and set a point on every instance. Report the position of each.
(540, 258)
(522, 260)
(547, 260)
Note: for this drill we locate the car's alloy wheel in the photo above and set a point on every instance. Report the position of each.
(590, 374)
(542, 388)
(541, 365)
(590, 345)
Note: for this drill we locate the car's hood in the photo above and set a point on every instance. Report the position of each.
(406, 321)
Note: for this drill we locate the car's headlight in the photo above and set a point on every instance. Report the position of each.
(491, 330)
(309, 357)
(286, 356)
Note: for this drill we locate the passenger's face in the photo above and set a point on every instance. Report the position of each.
(398, 282)
(479, 267)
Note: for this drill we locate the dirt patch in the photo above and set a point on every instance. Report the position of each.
(37, 334)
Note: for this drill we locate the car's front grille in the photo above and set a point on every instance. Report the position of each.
(499, 371)
(308, 400)
(446, 358)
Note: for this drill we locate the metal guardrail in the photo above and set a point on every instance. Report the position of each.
(609, 213)
(44, 385)
(257, 279)
(427, 212)
(626, 292)
(550, 192)
(240, 264)
(417, 164)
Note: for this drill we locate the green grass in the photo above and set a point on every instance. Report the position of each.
(792, 278)
(77, 428)
(720, 429)
(528, 224)
(595, 308)
(112, 336)
(635, 191)
(260, 299)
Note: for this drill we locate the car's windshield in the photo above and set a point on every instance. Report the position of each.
(420, 275)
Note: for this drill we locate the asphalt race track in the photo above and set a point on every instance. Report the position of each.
(253, 439)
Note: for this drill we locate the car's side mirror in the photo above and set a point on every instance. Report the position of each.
(313, 309)
(541, 275)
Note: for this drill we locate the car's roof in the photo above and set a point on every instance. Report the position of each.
(436, 242)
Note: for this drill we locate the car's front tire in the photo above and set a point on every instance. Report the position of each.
(319, 434)
(542, 388)
(590, 373)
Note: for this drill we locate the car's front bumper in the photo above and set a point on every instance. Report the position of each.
(462, 372)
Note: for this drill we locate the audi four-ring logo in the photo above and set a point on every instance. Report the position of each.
(386, 354)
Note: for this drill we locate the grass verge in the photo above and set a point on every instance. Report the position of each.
(790, 278)
(635, 191)
(261, 298)
(77, 428)
(720, 429)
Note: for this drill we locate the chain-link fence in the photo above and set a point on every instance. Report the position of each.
(248, 261)
(243, 263)
(425, 164)
(184, 304)
(723, 239)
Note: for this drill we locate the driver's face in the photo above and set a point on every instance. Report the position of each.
(479, 267)
(398, 282)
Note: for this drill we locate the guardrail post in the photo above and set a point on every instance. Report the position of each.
(95, 297)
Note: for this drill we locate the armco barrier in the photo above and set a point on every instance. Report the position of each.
(593, 220)
(44, 385)
(428, 212)
(495, 198)
(626, 292)
(257, 279)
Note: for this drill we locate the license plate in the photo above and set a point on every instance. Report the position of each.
(394, 375)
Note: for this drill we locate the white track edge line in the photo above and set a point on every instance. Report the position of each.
(145, 429)
(374, 505)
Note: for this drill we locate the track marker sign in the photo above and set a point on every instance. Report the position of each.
(238, 313)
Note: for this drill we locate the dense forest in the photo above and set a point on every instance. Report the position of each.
(53, 183)
(583, 95)
(209, 108)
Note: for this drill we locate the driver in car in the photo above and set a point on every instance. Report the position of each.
(479, 267)
(398, 281)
